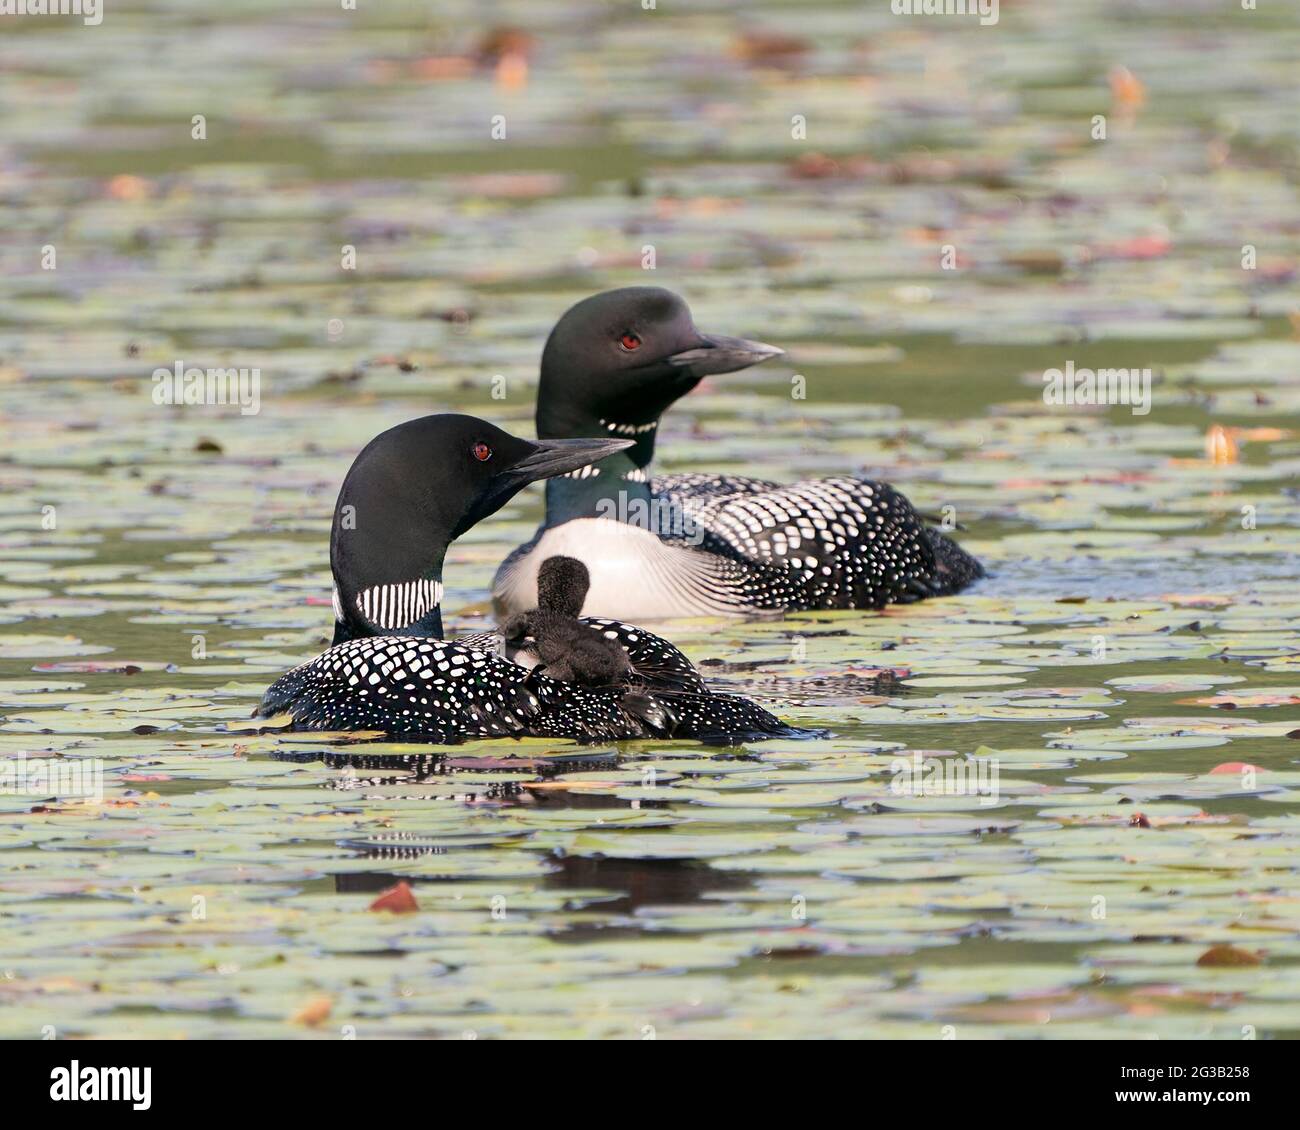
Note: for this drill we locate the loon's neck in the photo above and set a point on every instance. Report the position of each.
(617, 487)
(371, 607)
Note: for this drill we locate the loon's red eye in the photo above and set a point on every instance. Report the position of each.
(481, 452)
(630, 341)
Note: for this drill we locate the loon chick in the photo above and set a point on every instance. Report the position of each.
(588, 650)
(700, 544)
(562, 584)
(567, 648)
(412, 491)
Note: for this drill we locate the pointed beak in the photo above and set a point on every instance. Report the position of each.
(555, 456)
(547, 457)
(719, 354)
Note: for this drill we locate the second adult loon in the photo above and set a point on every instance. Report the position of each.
(412, 491)
(701, 544)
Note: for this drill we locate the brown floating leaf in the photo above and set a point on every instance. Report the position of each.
(814, 166)
(773, 48)
(500, 42)
(1037, 261)
(313, 1012)
(89, 667)
(398, 899)
(1225, 955)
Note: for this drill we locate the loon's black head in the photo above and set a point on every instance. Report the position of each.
(411, 492)
(617, 360)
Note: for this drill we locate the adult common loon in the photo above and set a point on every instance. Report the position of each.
(412, 491)
(700, 544)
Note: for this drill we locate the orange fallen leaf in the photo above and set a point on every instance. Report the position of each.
(1223, 956)
(398, 899)
(512, 71)
(1141, 1009)
(438, 68)
(709, 206)
(128, 187)
(1233, 701)
(814, 166)
(1138, 247)
(772, 47)
(313, 1012)
(1263, 435)
(1220, 447)
(1126, 88)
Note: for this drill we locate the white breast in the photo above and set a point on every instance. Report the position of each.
(635, 575)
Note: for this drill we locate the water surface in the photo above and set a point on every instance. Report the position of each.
(1131, 662)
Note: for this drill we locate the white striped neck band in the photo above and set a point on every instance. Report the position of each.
(397, 605)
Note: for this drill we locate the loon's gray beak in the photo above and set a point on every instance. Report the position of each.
(719, 354)
(555, 456)
(545, 457)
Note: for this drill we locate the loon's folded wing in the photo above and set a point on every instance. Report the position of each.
(721, 719)
(656, 664)
(833, 543)
(490, 642)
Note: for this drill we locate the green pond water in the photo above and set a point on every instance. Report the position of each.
(1129, 671)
